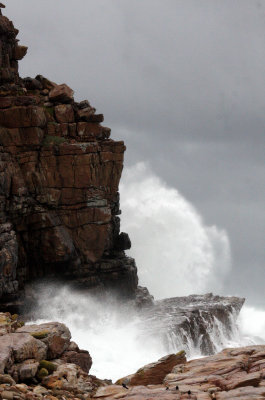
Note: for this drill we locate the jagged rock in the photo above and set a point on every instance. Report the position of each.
(32, 84)
(194, 317)
(54, 335)
(84, 114)
(154, 373)
(20, 52)
(61, 93)
(123, 242)
(81, 358)
(46, 84)
(27, 370)
(223, 376)
(19, 347)
(64, 113)
(143, 298)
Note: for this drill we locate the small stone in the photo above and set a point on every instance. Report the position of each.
(40, 390)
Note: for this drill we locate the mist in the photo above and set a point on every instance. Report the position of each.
(176, 252)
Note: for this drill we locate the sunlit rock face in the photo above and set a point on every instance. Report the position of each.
(59, 177)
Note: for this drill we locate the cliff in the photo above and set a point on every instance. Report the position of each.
(59, 178)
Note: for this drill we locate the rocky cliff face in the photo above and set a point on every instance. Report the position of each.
(59, 177)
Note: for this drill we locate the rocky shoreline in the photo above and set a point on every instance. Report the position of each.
(59, 220)
(41, 362)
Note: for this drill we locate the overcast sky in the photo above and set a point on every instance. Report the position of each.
(182, 82)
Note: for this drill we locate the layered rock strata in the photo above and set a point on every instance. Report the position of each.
(59, 177)
(197, 322)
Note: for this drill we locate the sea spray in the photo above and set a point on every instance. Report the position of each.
(114, 333)
(176, 253)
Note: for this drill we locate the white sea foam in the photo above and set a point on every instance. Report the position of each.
(176, 253)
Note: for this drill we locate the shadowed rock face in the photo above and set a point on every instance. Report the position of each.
(59, 177)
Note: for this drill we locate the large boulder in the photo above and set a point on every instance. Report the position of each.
(61, 93)
(54, 335)
(18, 347)
(154, 373)
(81, 358)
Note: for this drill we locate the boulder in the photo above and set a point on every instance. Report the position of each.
(84, 114)
(54, 335)
(23, 346)
(154, 373)
(20, 52)
(61, 94)
(81, 358)
(64, 113)
(27, 370)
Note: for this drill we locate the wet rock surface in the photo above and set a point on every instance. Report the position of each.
(232, 374)
(59, 177)
(198, 322)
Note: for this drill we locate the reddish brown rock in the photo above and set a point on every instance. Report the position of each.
(64, 113)
(61, 93)
(54, 335)
(81, 358)
(59, 180)
(20, 52)
(85, 113)
(221, 377)
(154, 373)
(22, 117)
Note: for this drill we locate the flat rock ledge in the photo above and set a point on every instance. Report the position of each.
(41, 362)
(232, 374)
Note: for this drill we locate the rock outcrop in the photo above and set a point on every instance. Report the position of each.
(197, 322)
(59, 177)
(33, 366)
(232, 374)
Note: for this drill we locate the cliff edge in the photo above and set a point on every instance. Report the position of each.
(59, 178)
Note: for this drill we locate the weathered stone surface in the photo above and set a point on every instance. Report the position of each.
(64, 113)
(54, 335)
(81, 358)
(22, 117)
(61, 93)
(222, 376)
(84, 114)
(154, 373)
(19, 347)
(28, 370)
(193, 317)
(20, 52)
